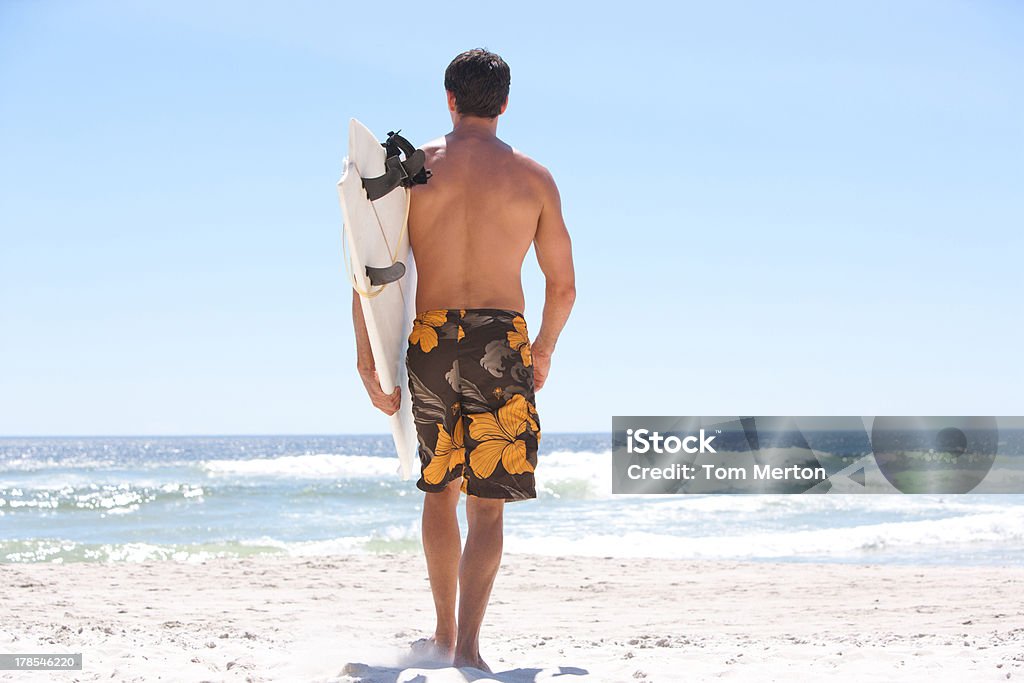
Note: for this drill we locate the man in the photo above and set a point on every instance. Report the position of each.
(472, 367)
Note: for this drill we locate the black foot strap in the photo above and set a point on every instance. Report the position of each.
(397, 172)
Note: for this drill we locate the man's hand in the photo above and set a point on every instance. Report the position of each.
(387, 403)
(541, 366)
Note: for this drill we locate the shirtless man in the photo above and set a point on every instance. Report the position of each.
(472, 367)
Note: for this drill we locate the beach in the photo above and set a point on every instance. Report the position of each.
(299, 558)
(351, 618)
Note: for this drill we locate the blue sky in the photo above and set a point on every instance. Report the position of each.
(777, 208)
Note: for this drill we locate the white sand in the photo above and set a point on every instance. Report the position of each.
(305, 619)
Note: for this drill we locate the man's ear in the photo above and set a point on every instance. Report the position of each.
(451, 101)
(504, 106)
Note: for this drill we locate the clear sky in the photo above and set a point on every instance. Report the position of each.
(777, 208)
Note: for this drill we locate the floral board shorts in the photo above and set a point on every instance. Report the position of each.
(471, 382)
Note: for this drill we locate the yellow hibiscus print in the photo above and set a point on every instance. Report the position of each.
(532, 419)
(520, 341)
(424, 329)
(449, 452)
(497, 434)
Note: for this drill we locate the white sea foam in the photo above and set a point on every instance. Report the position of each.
(779, 505)
(302, 466)
(1006, 526)
(344, 545)
(586, 471)
(25, 464)
(111, 498)
(575, 474)
(867, 542)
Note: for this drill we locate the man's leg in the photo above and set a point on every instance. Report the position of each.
(442, 544)
(480, 562)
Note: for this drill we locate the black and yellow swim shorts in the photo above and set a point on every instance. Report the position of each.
(471, 382)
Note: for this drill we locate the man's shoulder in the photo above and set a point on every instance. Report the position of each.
(533, 168)
(526, 165)
(434, 148)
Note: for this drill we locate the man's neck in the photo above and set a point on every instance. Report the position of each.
(475, 126)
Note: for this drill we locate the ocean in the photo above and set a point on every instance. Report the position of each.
(127, 499)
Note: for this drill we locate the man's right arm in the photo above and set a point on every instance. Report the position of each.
(554, 255)
(388, 403)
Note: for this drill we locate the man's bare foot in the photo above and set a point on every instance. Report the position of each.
(475, 662)
(433, 648)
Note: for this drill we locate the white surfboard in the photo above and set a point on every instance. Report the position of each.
(376, 235)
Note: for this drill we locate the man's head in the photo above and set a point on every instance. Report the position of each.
(477, 83)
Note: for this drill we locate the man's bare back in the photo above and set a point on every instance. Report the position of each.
(472, 225)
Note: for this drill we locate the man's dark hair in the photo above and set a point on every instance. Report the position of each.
(479, 79)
